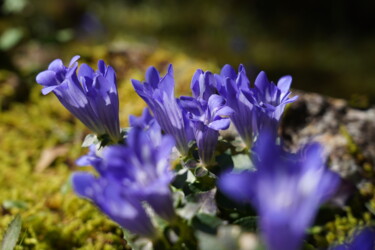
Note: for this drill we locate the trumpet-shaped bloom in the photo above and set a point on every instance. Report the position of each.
(158, 93)
(271, 98)
(286, 189)
(129, 175)
(254, 108)
(122, 207)
(90, 95)
(235, 88)
(208, 114)
(203, 85)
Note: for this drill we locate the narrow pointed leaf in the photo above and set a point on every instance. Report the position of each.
(11, 235)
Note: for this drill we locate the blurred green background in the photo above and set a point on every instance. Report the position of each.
(327, 46)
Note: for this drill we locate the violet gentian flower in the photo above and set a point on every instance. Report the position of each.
(203, 85)
(363, 240)
(158, 93)
(286, 190)
(122, 207)
(271, 98)
(235, 88)
(208, 114)
(254, 108)
(91, 95)
(130, 175)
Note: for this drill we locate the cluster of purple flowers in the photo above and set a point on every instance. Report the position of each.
(254, 108)
(216, 100)
(90, 95)
(130, 175)
(286, 189)
(207, 112)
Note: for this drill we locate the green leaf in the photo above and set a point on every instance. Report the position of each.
(66, 187)
(178, 235)
(89, 140)
(206, 223)
(9, 204)
(307, 246)
(229, 237)
(226, 238)
(182, 178)
(11, 235)
(129, 238)
(14, 6)
(209, 242)
(203, 202)
(242, 162)
(124, 132)
(205, 180)
(10, 38)
(65, 35)
(135, 241)
(189, 163)
(225, 161)
(248, 223)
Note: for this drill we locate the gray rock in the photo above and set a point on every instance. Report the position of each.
(347, 134)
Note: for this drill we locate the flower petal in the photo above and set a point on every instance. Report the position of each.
(56, 65)
(82, 184)
(284, 83)
(47, 78)
(221, 124)
(153, 77)
(228, 71)
(85, 71)
(47, 90)
(73, 60)
(215, 102)
(237, 185)
(262, 82)
(225, 111)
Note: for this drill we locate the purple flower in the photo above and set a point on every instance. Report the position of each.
(235, 88)
(203, 85)
(254, 108)
(271, 98)
(91, 95)
(122, 207)
(129, 175)
(158, 93)
(286, 190)
(364, 240)
(208, 114)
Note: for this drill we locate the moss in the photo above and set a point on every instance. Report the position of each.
(340, 228)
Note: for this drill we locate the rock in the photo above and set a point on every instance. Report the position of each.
(347, 134)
